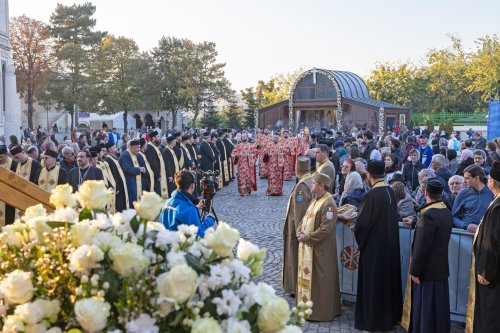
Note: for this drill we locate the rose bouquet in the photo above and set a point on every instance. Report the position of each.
(83, 270)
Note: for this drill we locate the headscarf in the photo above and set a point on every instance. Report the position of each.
(466, 153)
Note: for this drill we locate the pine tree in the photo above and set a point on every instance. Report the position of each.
(248, 96)
(233, 115)
(211, 118)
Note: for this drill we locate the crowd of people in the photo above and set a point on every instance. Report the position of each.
(429, 181)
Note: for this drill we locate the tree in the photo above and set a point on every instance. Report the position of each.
(76, 44)
(211, 118)
(31, 45)
(484, 68)
(248, 96)
(233, 115)
(117, 77)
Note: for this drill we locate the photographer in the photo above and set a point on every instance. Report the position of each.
(181, 209)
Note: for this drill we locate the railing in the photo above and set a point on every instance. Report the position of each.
(459, 257)
(463, 118)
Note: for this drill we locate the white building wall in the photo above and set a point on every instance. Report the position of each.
(10, 108)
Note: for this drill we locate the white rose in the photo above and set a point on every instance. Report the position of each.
(236, 326)
(273, 315)
(38, 227)
(179, 283)
(291, 329)
(93, 194)
(222, 240)
(150, 205)
(13, 324)
(12, 237)
(62, 196)
(129, 260)
(204, 325)
(92, 314)
(83, 233)
(34, 312)
(66, 214)
(143, 324)
(166, 237)
(34, 212)
(106, 240)
(85, 257)
(17, 287)
(247, 249)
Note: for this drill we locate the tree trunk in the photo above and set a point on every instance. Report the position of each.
(125, 124)
(174, 118)
(29, 99)
(196, 114)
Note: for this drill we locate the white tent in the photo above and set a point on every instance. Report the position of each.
(112, 120)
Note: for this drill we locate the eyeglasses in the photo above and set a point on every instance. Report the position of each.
(456, 183)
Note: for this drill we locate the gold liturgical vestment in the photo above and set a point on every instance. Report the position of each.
(318, 278)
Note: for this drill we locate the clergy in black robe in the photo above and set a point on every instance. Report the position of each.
(482, 313)
(134, 169)
(27, 167)
(193, 150)
(207, 160)
(155, 160)
(429, 297)
(51, 174)
(171, 163)
(7, 213)
(189, 163)
(177, 149)
(229, 150)
(379, 297)
(121, 194)
(217, 163)
(84, 171)
(224, 168)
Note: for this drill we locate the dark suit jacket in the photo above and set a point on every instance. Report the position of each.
(207, 157)
(429, 259)
(93, 174)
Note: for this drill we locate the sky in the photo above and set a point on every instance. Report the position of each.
(258, 39)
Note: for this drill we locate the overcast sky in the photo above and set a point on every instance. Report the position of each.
(260, 38)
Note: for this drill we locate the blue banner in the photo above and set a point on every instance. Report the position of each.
(493, 120)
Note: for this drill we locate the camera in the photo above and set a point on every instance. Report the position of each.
(209, 185)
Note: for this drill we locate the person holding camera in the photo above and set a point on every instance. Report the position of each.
(181, 209)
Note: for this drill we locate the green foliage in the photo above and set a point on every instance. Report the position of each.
(447, 126)
(429, 124)
(248, 95)
(211, 119)
(233, 115)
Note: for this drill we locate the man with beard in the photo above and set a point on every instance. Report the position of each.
(150, 175)
(379, 299)
(26, 166)
(262, 141)
(7, 213)
(207, 159)
(244, 155)
(171, 163)
(324, 165)
(193, 149)
(155, 160)
(177, 149)
(289, 151)
(51, 174)
(222, 158)
(189, 163)
(121, 195)
(134, 168)
(274, 157)
(84, 171)
(297, 206)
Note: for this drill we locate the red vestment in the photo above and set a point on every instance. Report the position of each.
(244, 156)
(262, 141)
(274, 156)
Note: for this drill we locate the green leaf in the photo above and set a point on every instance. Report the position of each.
(135, 223)
(85, 214)
(195, 264)
(57, 224)
(177, 319)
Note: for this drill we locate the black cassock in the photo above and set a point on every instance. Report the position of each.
(120, 190)
(154, 163)
(222, 157)
(92, 174)
(207, 156)
(194, 153)
(229, 150)
(168, 158)
(487, 257)
(379, 300)
(217, 161)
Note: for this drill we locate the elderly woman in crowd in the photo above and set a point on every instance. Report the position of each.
(412, 167)
(438, 164)
(467, 159)
(405, 202)
(348, 166)
(354, 190)
(418, 195)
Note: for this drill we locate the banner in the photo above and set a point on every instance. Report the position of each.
(493, 120)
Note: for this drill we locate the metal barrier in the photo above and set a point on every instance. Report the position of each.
(459, 257)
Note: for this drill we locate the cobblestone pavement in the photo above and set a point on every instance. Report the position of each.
(260, 219)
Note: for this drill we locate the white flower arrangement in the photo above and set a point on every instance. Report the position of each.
(83, 270)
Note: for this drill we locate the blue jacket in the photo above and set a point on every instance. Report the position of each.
(426, 155)
(111, 138)
(469, 206)
(179, 209)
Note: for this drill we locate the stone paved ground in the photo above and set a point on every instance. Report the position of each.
(260, 219)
